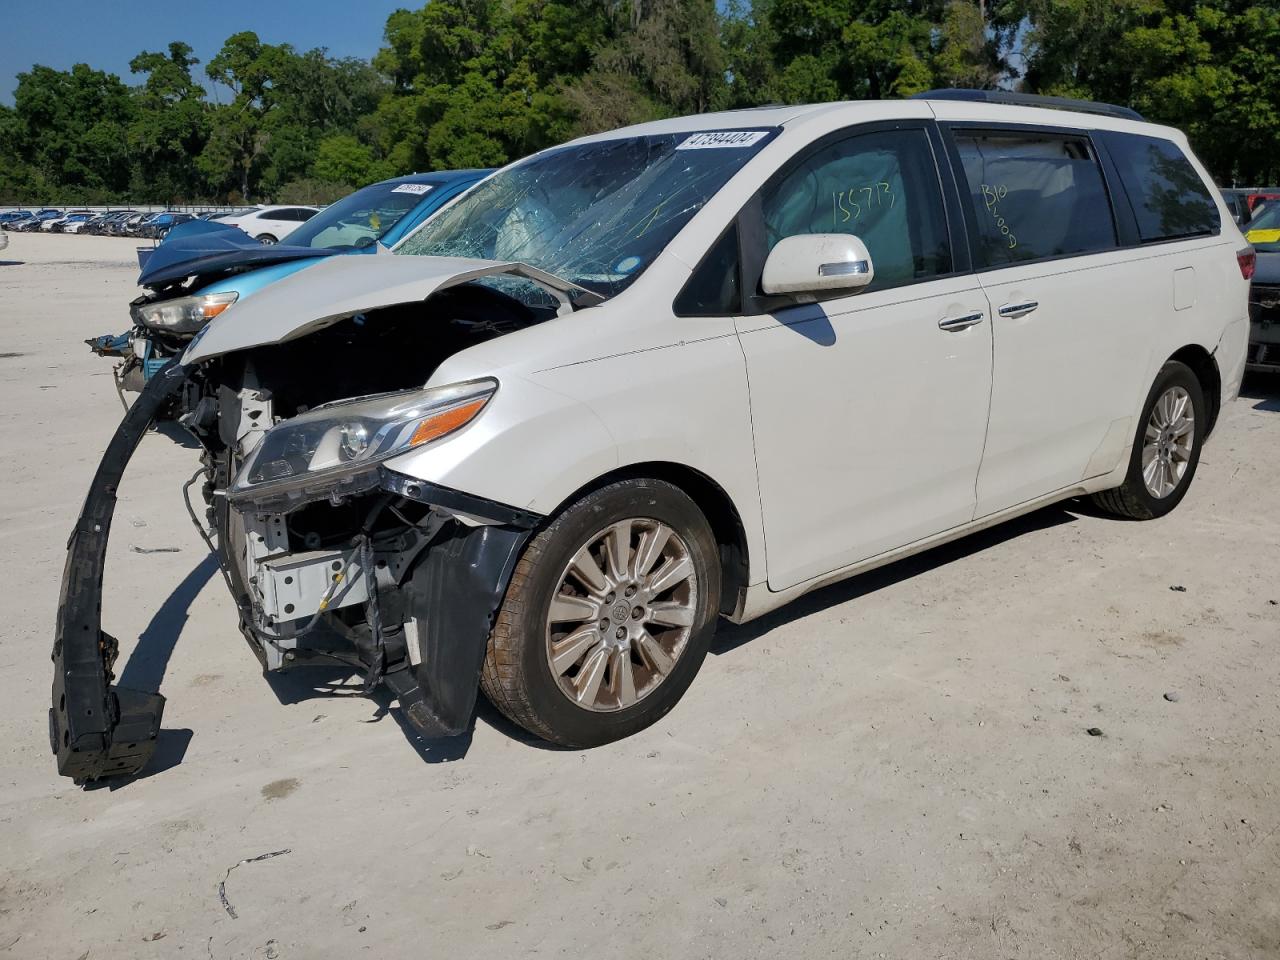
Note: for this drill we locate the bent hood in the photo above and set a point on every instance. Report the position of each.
(341, 287)
(205, 248)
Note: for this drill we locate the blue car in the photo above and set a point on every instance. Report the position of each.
(203, 267)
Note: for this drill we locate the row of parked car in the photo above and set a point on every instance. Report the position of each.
(1245, 203)
(125, 223)
(267, 224)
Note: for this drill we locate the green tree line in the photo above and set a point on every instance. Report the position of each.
(465, 83)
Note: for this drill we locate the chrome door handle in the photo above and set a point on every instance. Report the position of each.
(961, 323)
(1016, 310)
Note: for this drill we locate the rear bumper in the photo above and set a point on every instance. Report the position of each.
(1264, 327)
(1264, 347)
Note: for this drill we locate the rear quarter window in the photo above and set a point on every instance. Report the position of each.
(1170, 201)
(1035, 196)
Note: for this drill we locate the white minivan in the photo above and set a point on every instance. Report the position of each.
(681, 371)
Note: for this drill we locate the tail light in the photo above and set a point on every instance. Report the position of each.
(1248, 261)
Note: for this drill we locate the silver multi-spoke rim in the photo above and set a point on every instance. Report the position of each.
(621, 614)
(1167, 446)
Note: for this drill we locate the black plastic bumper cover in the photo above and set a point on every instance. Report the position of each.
(97, 729)
(455, 593)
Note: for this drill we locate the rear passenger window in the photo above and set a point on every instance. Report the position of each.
(1036, 196)
(1169, 199)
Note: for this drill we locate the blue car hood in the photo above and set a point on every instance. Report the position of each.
(203, 248)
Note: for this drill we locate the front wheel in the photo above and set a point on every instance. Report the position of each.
(608, 616)
(1166, 449)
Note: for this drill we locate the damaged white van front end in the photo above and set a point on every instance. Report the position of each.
(306, 401)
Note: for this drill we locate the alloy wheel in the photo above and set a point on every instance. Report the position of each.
(621, 615)
(1168, 442)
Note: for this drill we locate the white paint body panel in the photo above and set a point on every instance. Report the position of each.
(869, 422)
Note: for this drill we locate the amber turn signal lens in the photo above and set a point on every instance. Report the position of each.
(211, 310)
(447, 421)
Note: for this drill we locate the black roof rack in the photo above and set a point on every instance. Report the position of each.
(1031, 100)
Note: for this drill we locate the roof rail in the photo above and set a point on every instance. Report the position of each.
(1031, 100)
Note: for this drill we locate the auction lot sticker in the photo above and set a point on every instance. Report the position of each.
(721, 139)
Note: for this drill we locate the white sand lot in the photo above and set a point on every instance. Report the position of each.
(894, 767)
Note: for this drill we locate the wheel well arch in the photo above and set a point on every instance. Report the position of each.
(716, 505)
(1205, 368)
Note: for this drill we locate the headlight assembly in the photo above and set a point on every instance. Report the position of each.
(329, 449)
(183, 314)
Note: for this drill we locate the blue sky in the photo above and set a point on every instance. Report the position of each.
(107, 34)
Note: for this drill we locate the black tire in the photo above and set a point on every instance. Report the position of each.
(267, 239)
(1132, 499)
(517, 677)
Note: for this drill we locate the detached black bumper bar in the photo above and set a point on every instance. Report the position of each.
(95, 728)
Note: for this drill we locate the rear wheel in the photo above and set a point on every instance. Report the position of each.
(267, 239)
(608, 616)
(1166, 449)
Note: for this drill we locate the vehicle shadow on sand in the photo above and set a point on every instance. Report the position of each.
(321, 681)
(732, 636)
(1264, 388)
(148, 662)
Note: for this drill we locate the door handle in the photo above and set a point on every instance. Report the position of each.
(961, 323)
(1016, 310)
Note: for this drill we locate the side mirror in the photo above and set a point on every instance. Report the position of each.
(816, 263)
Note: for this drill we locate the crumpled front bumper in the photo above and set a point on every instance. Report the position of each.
(96, 728)
(449, 597)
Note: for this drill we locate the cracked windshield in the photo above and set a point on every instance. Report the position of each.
(595, 214)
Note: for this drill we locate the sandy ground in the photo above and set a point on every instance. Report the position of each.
(894, 767)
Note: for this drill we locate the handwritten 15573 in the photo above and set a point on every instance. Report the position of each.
(851, 204)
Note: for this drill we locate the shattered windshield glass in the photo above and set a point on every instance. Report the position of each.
(596, 214)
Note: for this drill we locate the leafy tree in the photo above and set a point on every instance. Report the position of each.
(343, 159)
(234, 155)
(170, 126)
(482, 82)
(72, 128)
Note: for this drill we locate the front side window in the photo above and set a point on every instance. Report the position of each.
(715, 287)
(1035, 196)
(1170, 201)
(596, 214)
(881, 187)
